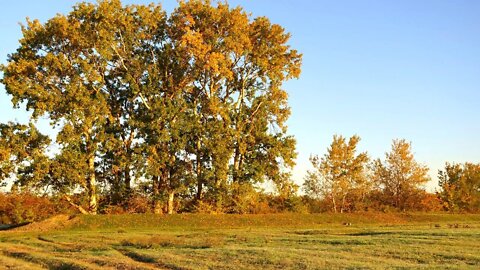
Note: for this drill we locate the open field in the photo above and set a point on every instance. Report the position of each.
(282, 241)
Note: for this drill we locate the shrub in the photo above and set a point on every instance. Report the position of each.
(28, 207)
(133, 204)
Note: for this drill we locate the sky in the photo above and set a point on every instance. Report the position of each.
(379, 69)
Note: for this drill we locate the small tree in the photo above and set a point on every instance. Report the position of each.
(341, 175)
(460, 186)
(400, 177)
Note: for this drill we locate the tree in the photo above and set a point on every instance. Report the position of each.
(236, 104)
(400, 177)
(460, 186)
(286, 194)
(340, 175)
(78, 69)
(191, 98)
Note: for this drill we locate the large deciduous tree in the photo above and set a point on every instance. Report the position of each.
(82, 71)
(340, 175)
(236, 101)
(189, 103)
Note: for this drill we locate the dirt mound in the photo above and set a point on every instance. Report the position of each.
(54, 223)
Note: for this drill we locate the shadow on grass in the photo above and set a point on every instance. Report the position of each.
(48, 263)
(43, 239)
(142, 258)
(370, 233)
(344, 242)
(171, 242)
(310, 232)
(5, 227)
(137, 256)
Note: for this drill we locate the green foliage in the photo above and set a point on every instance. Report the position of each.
(22, 154)
(191, 103)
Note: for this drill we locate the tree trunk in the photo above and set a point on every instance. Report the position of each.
(171, 195)
(199, 158)
(236, 166)
(240, 166)
(334, 204)
(92, 186)
(397, 196)
(129, 152)
(79, 207)
(127, 181)
(199, 173)
(156, 204)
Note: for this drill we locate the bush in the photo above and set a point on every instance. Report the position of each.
(431, 203)
(134, 204)
(281, 204)
(27, 207)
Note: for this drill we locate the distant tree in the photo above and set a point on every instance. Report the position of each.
(400, 178)
(286, 194)
(340, 175)
(460, 186)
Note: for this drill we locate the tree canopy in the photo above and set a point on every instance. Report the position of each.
(189, 103)
(460, 186)
(340, 175)
(400, 177)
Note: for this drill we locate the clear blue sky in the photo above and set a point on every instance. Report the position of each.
(379, 69)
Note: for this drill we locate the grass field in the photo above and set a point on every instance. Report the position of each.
(281, 241)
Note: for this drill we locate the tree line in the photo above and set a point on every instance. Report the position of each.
(183, 112)
(345, 181)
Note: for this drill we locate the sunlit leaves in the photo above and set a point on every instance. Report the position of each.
(400, 177)
(340, 175)
(460, 186)
(138, 94)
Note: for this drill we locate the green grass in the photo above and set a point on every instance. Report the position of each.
(283, 241)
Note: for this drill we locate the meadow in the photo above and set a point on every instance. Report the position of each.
(273, 241)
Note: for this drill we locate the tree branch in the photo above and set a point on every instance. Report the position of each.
(144, 101)
(79, 207)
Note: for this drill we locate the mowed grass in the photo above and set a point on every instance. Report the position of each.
(276, 241)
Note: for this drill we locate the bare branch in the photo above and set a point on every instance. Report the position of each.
(144, 101)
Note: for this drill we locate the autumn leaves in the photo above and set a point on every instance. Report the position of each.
(188, 105)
